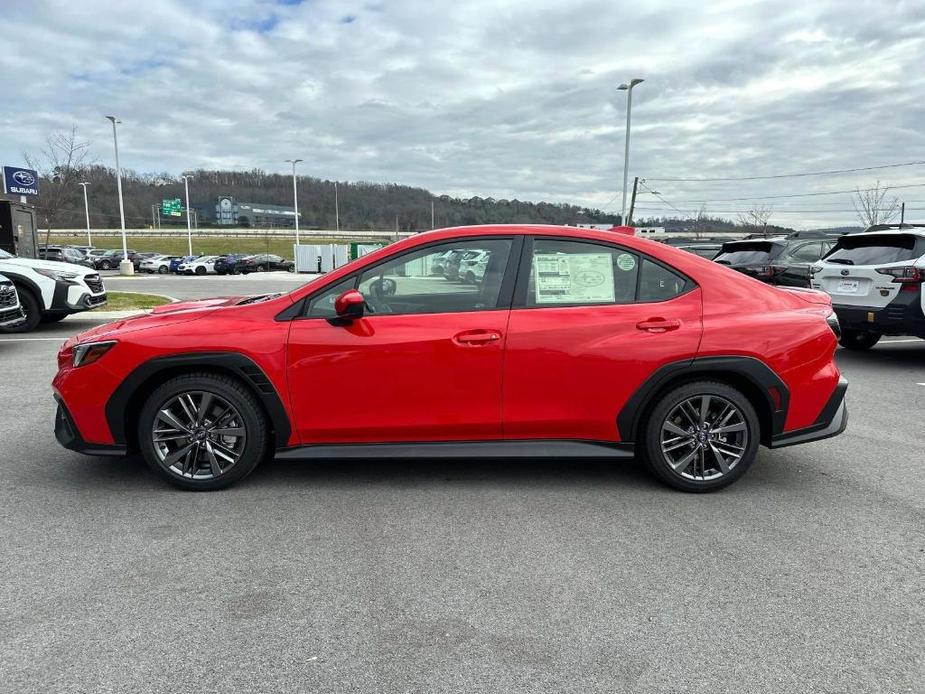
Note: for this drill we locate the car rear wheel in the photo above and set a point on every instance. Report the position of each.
(163, 270)
(202, 431)
(105, 265)
(858, 339)
(33, 310)
(701, 436)
(200, 270)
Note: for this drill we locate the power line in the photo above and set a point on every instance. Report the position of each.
(659, 196)
(801, 195)
(793, 175)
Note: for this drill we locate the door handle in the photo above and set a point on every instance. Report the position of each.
(477, 337)
(658, 325)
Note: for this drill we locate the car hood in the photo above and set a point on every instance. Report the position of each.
(48, 265)
(168, 314)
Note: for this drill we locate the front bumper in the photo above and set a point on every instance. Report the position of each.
(70, 297)
(831, 421)
(11, 317)
(69, 436)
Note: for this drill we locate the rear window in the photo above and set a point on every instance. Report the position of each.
(876, 250)
(757, 253)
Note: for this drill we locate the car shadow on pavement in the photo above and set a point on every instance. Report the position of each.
(901, 355)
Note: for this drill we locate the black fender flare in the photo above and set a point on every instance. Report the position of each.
(119, 405)
(762, 379)
(21, 281)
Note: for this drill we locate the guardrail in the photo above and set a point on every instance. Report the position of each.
(326, 234)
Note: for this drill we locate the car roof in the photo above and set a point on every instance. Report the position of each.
(920, 233)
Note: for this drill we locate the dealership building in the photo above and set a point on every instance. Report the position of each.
(230, 212)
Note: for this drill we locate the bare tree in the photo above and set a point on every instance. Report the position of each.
(872, 205)
(59, 164)
(756, 218)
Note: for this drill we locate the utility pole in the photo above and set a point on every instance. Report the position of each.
(295, 198)
(189, 222)
(432, 224)
(902, 213)
(86, 211)
(629, 218)
(336, 209)
(628, 88)
(126, 267)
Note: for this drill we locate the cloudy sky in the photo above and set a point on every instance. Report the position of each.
(501, 98)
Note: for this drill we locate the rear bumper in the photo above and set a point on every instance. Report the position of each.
(831, 421)
(69, 436)
(902, 316)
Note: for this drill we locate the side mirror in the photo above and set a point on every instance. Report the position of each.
(349, 306)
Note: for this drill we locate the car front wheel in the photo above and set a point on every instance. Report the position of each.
(163, 270)
(701, 436)
(202, 431)
(33, 310)
(858, 339)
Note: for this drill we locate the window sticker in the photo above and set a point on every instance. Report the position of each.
(626, 262)
(573, 278)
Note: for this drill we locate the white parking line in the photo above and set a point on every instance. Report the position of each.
(896, 342)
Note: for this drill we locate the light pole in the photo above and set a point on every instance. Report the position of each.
(189, 224)
(125, 267)
(295, 198)
(336, 209)
(84, 185)
(628, 88)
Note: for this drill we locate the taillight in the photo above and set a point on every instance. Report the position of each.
(766, 271)
(906, 274)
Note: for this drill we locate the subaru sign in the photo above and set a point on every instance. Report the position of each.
(19, 181)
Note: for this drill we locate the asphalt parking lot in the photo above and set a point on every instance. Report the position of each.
(431, 576)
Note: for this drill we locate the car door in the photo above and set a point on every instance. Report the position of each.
(589, 324)
(422, 364)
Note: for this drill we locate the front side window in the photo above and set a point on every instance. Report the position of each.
(322, 305)
(451, 277)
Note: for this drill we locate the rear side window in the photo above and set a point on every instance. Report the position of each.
(756, 253)
(571, 273)
(874, 250)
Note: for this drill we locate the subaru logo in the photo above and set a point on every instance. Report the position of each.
(6, 289)
(24, 178)
(844, 273)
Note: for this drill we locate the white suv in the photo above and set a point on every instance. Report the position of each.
(875, 281)
(11, 313)
(203, 265)
(49, 291)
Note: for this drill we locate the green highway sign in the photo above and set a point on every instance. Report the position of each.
(172, 208)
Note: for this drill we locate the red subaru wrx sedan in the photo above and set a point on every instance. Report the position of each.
(562, 342)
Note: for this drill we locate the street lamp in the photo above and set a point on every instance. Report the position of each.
(125, 267)
(295, 198)
(84, 185)
(628, 88)
(189, 225)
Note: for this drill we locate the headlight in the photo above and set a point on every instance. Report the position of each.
(90, 352)
(57, 275)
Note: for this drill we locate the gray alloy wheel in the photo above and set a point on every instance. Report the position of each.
(700, 436)
(198, 435)
(163, 270)
(203, 431)
(704, 437)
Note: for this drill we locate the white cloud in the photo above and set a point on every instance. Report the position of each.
(502, 99)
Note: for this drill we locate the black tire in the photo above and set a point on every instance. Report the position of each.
(104, 265)
(235, 393)
(859, 340)
(163, 270)
(658, 415)
(200, 270)
(33, 310)
(53, 317)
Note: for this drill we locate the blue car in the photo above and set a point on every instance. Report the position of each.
(176, 262)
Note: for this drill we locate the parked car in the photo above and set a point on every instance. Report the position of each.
(776, 261)
(438, 264)
(704, 250)
(177, 262)
(64, 254)
(49, 291)
(451, 264)
(875, 281)
(601, 345)
(11, 313)
(227, 264)
(472, 266)
(137, 258)
(264, 263)
(200, 266)
(159, 264)
(95, 254)
(111, 259)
